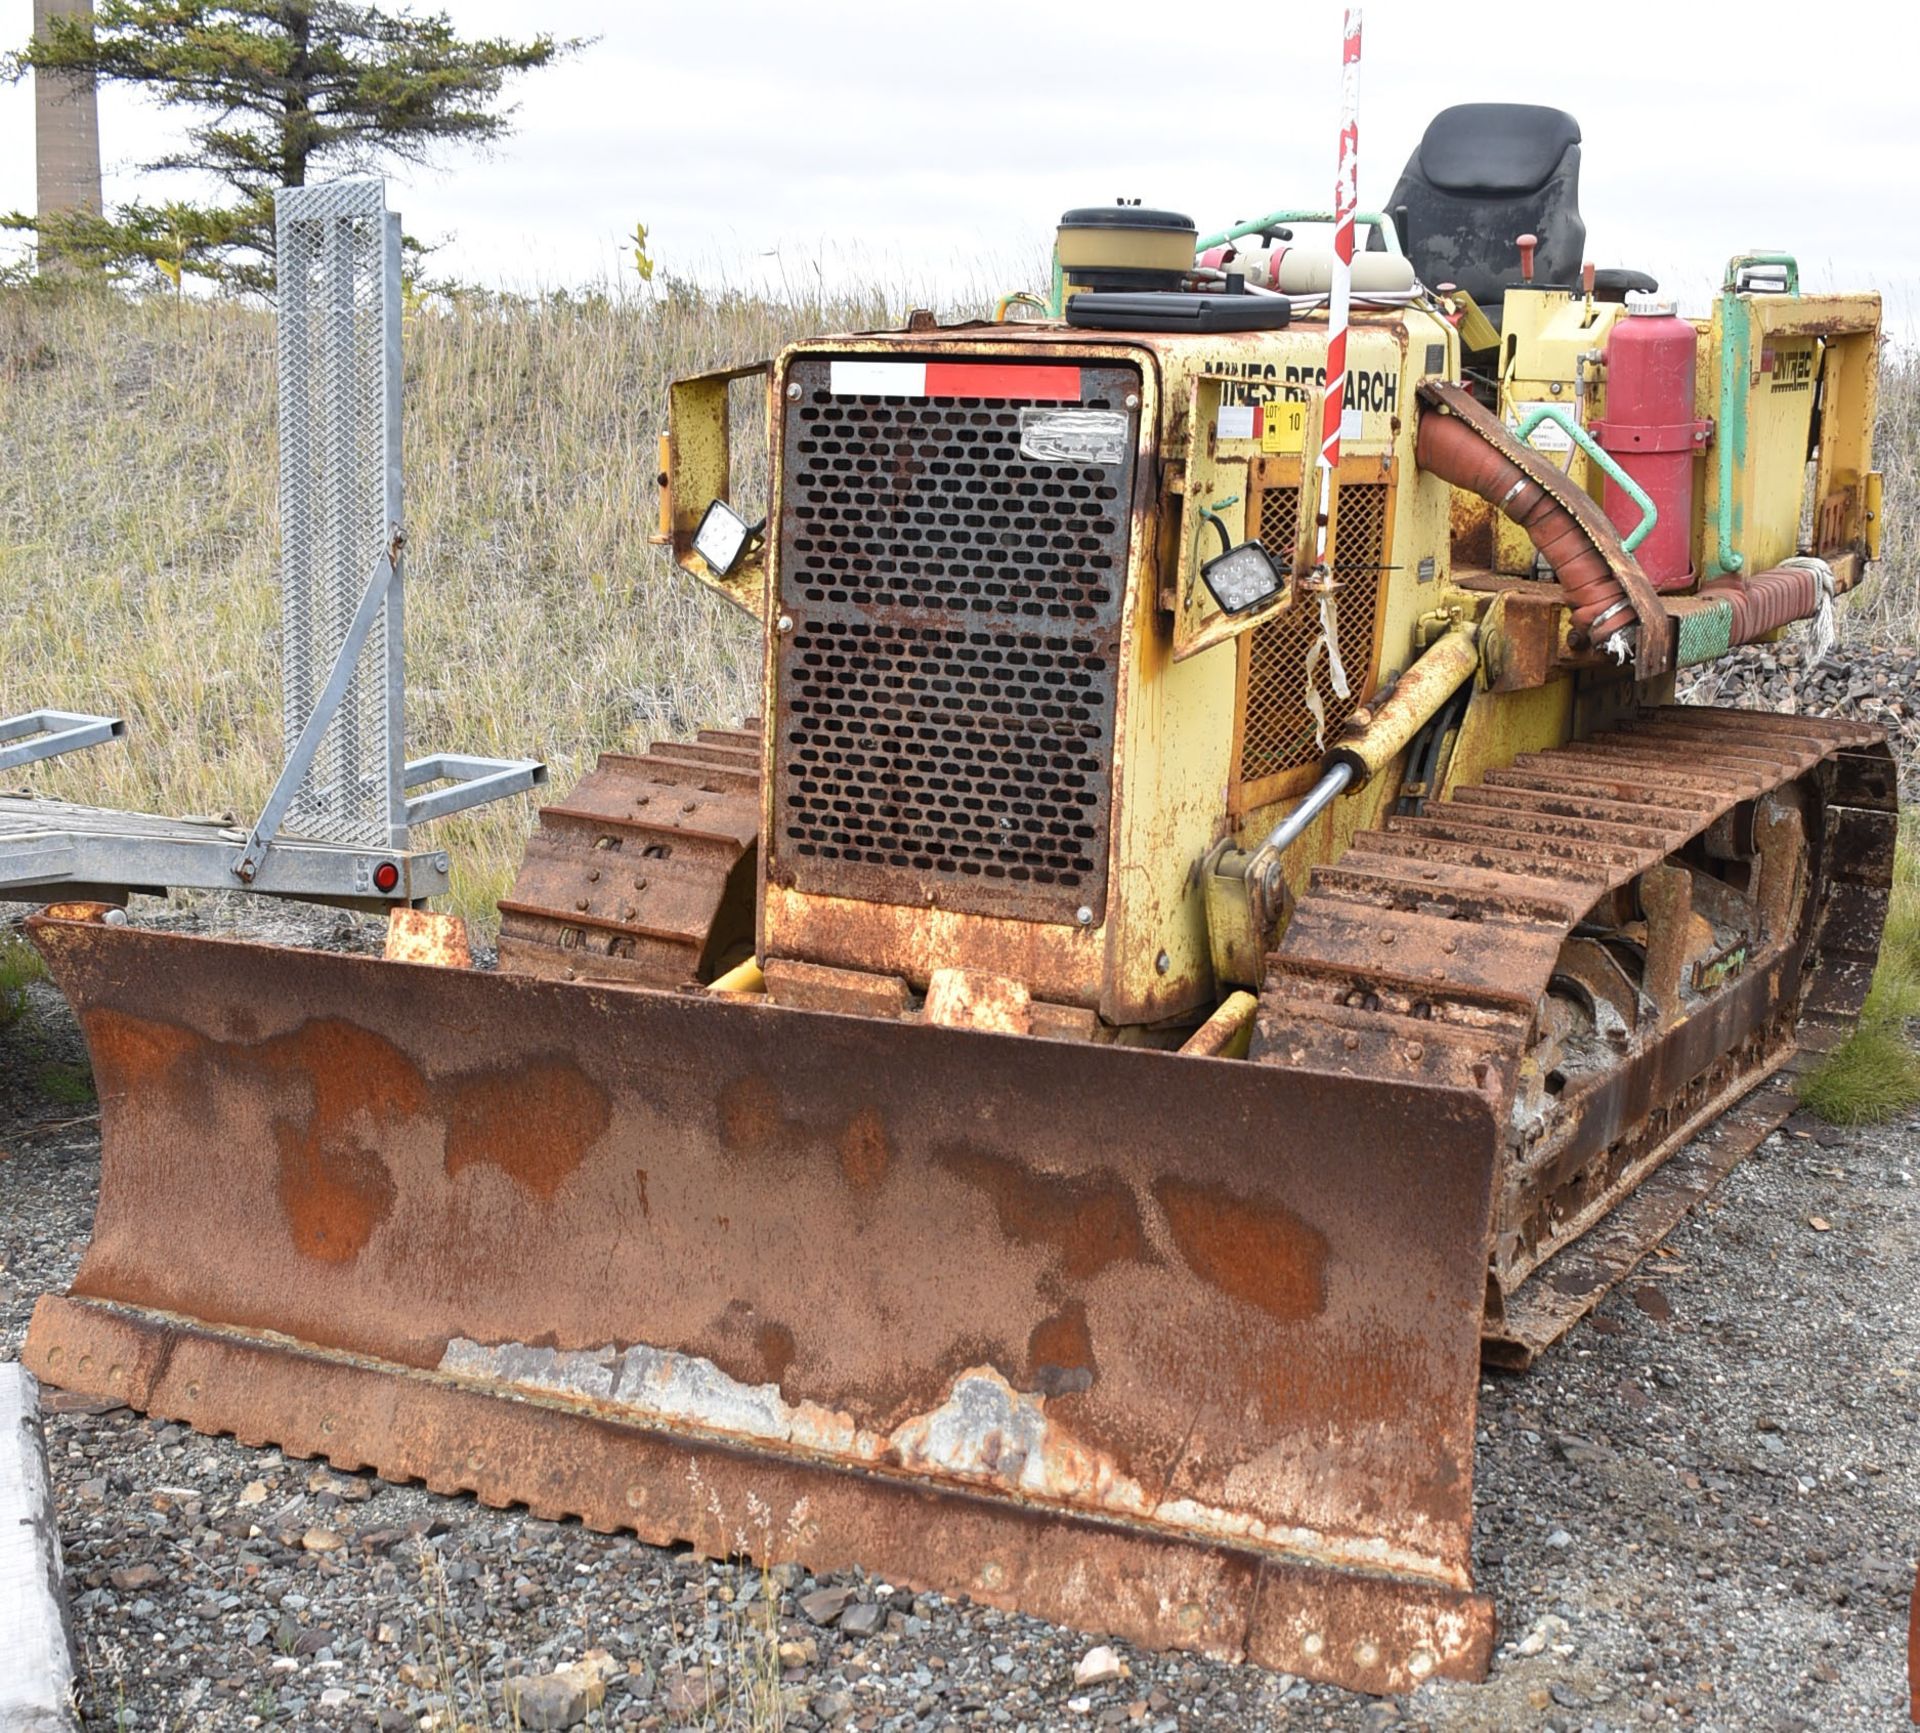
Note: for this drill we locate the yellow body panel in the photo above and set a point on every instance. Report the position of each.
(1184, 783)
(1552, 350)
(1781, 373)
(1145, 959)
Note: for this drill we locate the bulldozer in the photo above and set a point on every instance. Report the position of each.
(1206, 945)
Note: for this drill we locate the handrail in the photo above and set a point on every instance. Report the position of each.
(1736, 358)
(1372, 219)
(1554, 412)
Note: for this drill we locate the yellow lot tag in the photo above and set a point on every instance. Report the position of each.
(1283, 426)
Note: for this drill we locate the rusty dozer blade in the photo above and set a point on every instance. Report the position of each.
(1181, 1349)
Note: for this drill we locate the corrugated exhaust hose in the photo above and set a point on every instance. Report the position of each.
(1460, 441)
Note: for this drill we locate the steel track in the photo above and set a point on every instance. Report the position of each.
(644, 873)
(1427, 950)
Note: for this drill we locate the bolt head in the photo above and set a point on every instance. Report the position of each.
(1083, 915)
(1162, 963)
(793, 394)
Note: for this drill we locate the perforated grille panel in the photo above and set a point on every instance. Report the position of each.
(338, 305)
(946, 690)
(1278, 732)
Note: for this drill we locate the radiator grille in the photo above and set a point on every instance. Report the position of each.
(1277, 733)
(946, 691)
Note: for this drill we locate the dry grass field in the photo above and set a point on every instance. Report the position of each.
(137, 537)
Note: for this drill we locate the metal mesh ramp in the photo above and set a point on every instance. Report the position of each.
(339, 820)
(337, 250)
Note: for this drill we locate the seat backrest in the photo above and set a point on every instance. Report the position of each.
(1484, 173)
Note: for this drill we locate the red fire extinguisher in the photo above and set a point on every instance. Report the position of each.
(1650, 429)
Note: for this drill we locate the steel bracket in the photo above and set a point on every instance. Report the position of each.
(475, 782)
(38, 734)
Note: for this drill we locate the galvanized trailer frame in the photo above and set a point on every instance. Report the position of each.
(338, 823)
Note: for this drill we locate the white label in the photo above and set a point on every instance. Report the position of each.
(1549, 435)
(877, 378)
(1073, 435)
(1235, 421)
(1353, 424)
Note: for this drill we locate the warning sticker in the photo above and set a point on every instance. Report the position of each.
(1283, 427)
(1549, 435)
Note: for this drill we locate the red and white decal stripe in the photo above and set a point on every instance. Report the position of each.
(1346, 188)
(1017, 379)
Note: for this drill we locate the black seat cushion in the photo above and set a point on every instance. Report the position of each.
(1484, 174)
(1497, 148)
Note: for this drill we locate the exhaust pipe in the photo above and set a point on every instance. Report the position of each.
(1463, 444)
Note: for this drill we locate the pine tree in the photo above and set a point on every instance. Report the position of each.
(285, 89)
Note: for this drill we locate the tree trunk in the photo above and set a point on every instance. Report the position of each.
(296, 128)
(66, 115)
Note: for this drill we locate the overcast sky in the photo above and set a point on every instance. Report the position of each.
(934, 144)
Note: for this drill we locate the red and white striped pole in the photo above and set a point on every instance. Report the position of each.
(1346, 188)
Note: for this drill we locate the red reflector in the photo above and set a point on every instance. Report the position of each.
(385, 876)
(985, 379)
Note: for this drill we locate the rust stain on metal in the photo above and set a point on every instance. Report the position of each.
(1090, 1221)
(1261, 1253)
(424, 936)
(972, 999)
(534, 1125)
(777, 1349)
(1060, 1353)
(751, 1121)
(864, 1152)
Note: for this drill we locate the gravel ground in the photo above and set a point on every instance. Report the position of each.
(1702, 1508)
(1875, 682)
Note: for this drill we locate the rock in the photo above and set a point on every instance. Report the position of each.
(1099, 1666)
(824, 1606)
(1581, 1452)
(335, 1697)
(543, 1701)
(322, 1540)
(1559, 1538)
(863, 1619)
(801, 1654)
(691, 1695)
(135, 1577)
(1546, 1630)
(830, 1707)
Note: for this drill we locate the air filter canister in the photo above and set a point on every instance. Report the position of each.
(1125, 247)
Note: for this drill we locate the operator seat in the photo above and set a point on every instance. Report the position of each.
(1484, 173)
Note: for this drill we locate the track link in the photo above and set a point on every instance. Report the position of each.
(644, 873)
(1425, 954)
